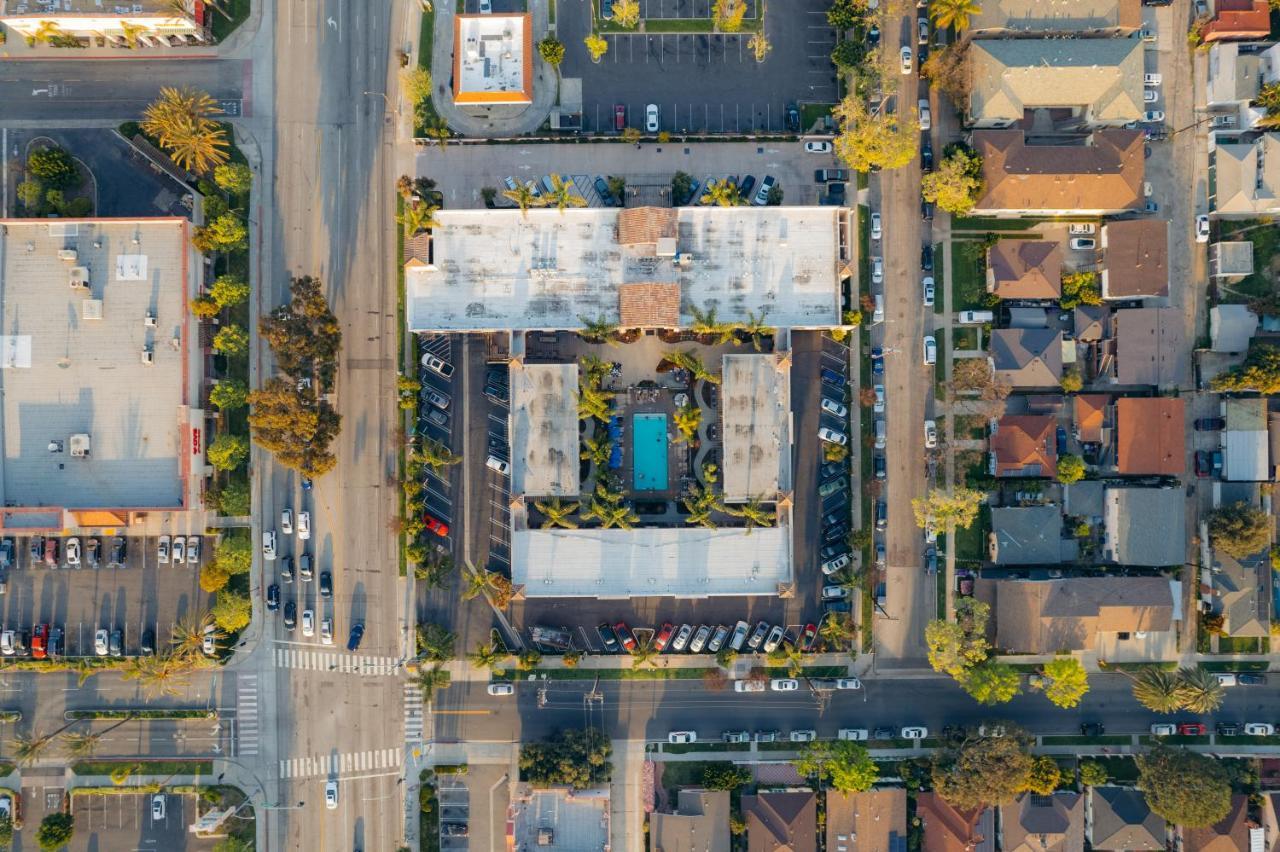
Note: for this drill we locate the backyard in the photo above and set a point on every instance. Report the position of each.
(1266, 243)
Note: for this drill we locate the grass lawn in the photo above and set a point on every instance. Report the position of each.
(144, 767)
(939, 298)
(1240, 645)
(682, 774)
(864, 247)
(621, 674)
(940, 367)
(687, 748)
(968, 275)
(964, 337)
(810, 114)
(1262, 741)
(1084, 741)
(941, 580)
(426, 114)
(1173, 740)
(1266, 242)
(981, 223)
(1235, 666)
(971, 543)
(1121, 770)
(239, 12)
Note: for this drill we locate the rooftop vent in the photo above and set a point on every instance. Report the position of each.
(68, 255)
(92, 309)
(79, 277)
(80, 446)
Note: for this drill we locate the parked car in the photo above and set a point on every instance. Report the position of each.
(1092, 729)
(269, 544)
(1202, 229)
(331, 795)
(1192, 729)
(877, 270)
(930, 350)
(878, 406)
(700, 639)
(833, 436)
(435, 525)
(762, 194)
(682, 637)
(761, 631)
(774, 639)
(1210, 424)
(651, 118)
(915, 732)
(740, 631)
(831, 566)
(602, 189)
(905, 58)
(1153, 116)
(926, 287)
(814, 147)
(353, 638)
(830, 406)
(1151, 79)
(1083, 243)
(1204, 464)
(848, 683)
(1163, 729)
(663, 638)
(682, 737)
(739, 736)
(1249, 679)
(831, 377)
(717, 639)
(619, 117)
(73, 552)
(805, 736)
(326, 584)
(926, 257)
(926, 120)
(930, 434)
(784, 684)
(926, 156)
(922, 30)
(834, 593)
(975, 317)
(1259, 729)
(286, 521)
(273, 597)
(876, 231)
(608, 638)
(193, 550)
(855, 734)
(1227, 729)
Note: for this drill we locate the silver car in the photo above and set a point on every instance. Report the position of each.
(682, 638)
(717, 640)
(700, 639)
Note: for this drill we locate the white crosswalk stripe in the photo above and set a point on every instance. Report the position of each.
(347, 763)
(412, 714)
(334, 661)
(246, 715)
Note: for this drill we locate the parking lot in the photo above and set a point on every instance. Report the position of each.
(125, 822)
(702, 83)
(475, 803)
(140, 596)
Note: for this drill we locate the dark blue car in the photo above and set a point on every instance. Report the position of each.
(877, 360)
(357, 633)
(1060, 437)
(832, 378)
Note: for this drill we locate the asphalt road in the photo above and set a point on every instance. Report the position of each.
(60, 90)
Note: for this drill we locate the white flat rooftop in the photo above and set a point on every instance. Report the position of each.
(544, 429)
(65, 373)
(756, 411)
(687, 563)
(491, 62)
(498, 270)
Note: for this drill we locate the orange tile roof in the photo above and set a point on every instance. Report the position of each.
(649, 305)
(1151, 436)
(1090, 410)
(1104, 174)
(1024, 442)
(644, 225)
(1238, 19)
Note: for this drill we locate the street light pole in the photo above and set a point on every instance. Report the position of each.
(383, 95)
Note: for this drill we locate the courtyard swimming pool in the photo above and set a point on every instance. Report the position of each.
(649, 452)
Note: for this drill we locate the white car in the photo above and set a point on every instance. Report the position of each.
(878, 407)
(1225, 679)
(326, 631)
(162, 550)
(1154, 116)
(831, 436)
(682, 737)
(73, 552)
(831, 566)
(1151, 79)
(8, 646)
(925, 117)
(832, 407)
(193, 550)
(930, 434)
(806, 736)
(1202, 228)
(876, 231)
(308, 622)
(1259, 729)
(179, 550)
(1076, 229)
(784, 684)
(848, 683)
(748, 686)
(304, 525)
(817, 147)
(331, 795)
(497, 689)
(834, 593)
(915, 733)
(930, 350)
(855, 734)
(100, 639)
(286, 521)
(1150, 96)
(209, 644)
(651, 118)
(905, 56)
(1163, 729)
(269, 544)
(1083, 243)
(928, 292)
(877, 270)
(157, 808)
(773, 640)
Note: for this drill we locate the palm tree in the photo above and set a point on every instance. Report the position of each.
(46, 32)
(593, 402)
(81, 745)
(596, 450)
(754, 513)
(181, 120)
(435, 643)
(607, 507)
(27, 748)
(131, 33)
(1202, 693)
(705, 322)
(556, 513)
(487, 657)
(595, 369)
(722, 193)
(418, 216)
(756, 328)
(188, 635)
(524, 198)
(436, 455)
(598, 330)
(645, 654)
(1158, 690)
(439, 131)
(953, 13)
(164, 675)
(794, 659)
(687, 419)
(563, 194)
(432, 679)
(690, 362)
(477, 584)
(838, 629)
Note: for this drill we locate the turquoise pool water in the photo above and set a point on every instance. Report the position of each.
(649, 452)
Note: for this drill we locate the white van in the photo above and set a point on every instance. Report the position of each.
(857, 734)
(976, 317)
(878, 314)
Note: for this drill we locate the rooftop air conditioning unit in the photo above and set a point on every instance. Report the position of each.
(79, 446)
(68, 255)
(684, 258)
(92, 309)
(148, 356)
(149, 321)
(79, 278)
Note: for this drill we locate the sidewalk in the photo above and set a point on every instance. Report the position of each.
(464, 671)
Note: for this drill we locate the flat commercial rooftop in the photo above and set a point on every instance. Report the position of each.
(498, 269)
(493, 59)
(71, 362)
(756, 410)
(561, 820)
(645, 562)
(544, 429)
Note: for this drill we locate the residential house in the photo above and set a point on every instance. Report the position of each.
(1239, 590)
(1273, 434)
(1025, 269)
(1100, 175)
(1235, 832)
(1246, 178)
(1023, 445)
(1246, 448)
(1270, 814)
(781, 822)
(1035, 823)
(1077, 613)
(699, 824)
(1231, 327)
(1234, 81)
(874, 821)
(1159, 540)
(1091, 322)
(1150, 347)
(1151, 436)
(1027, 357)
(1135, 259)
(1090, 413)
(1028, 535)
(947, 829)
(137, 24)
(1238, 20)
(1085, 17)
(1118, 819)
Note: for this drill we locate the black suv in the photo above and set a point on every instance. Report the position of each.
(273, 597)
(926, 258)
(290, 615)
(326, 584)
(118, 551)
(609, 638)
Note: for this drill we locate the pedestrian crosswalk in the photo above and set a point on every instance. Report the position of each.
(349, 763)
(412, 714)
(246, 715)
(333, 661)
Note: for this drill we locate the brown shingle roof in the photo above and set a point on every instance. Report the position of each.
(1105, 174)
(874, 821)
(1238, 19)
(1050, 616)
(1025, 269)
(781, 822)
(1150, 436)
(646, 225)
(1043, 823)
(1230, 834)
(1135, 259)
(1150, 348)
(949, 830)
(1090, 416)
(652, 305)
(1023, 446)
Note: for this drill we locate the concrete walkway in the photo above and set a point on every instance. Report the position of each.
(463, 670)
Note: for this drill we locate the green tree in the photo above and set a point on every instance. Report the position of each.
(487, 656)
(1080, 288)
(1201, 692)
(948, 69)
(6, 830)
(1260, 372)
(1070, 469)
(597, 46)
(55, 832)
(976, 771)
(235, 178)
(229, 290)
(848, 54)
(231, 611)
(881, 141)
(844, 14)
(293, 427)
(579, 759)
(1092, 773)
(1065, 681)
(418, 216)
(1158, 690)
(722, 193)
(725, 776)
(687, 419)
(232, 499)
(435, 643)
(31, 194)
(213, 577)
(956, 184)
(415, 82)
(847, 765)
(957, 646)
(1240, 530)
(940, 511)
(728, 14)
(181, 119)
(1072, 381)
(234, 553)
(54, 167)
(552, 52)
(229, 395)
(204, 307)
(304, 335)
(953, 14)
(992, 683)
(1044, 777)
(626, 13)
(228, 452)
(1192, 790)
(225, 233)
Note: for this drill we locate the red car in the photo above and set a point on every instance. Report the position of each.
(1191, 729)
(624, 636)
(1204, 464)
(619, 117)
(808, 637)
(40, 641)
(664, 636)
(440, 528)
